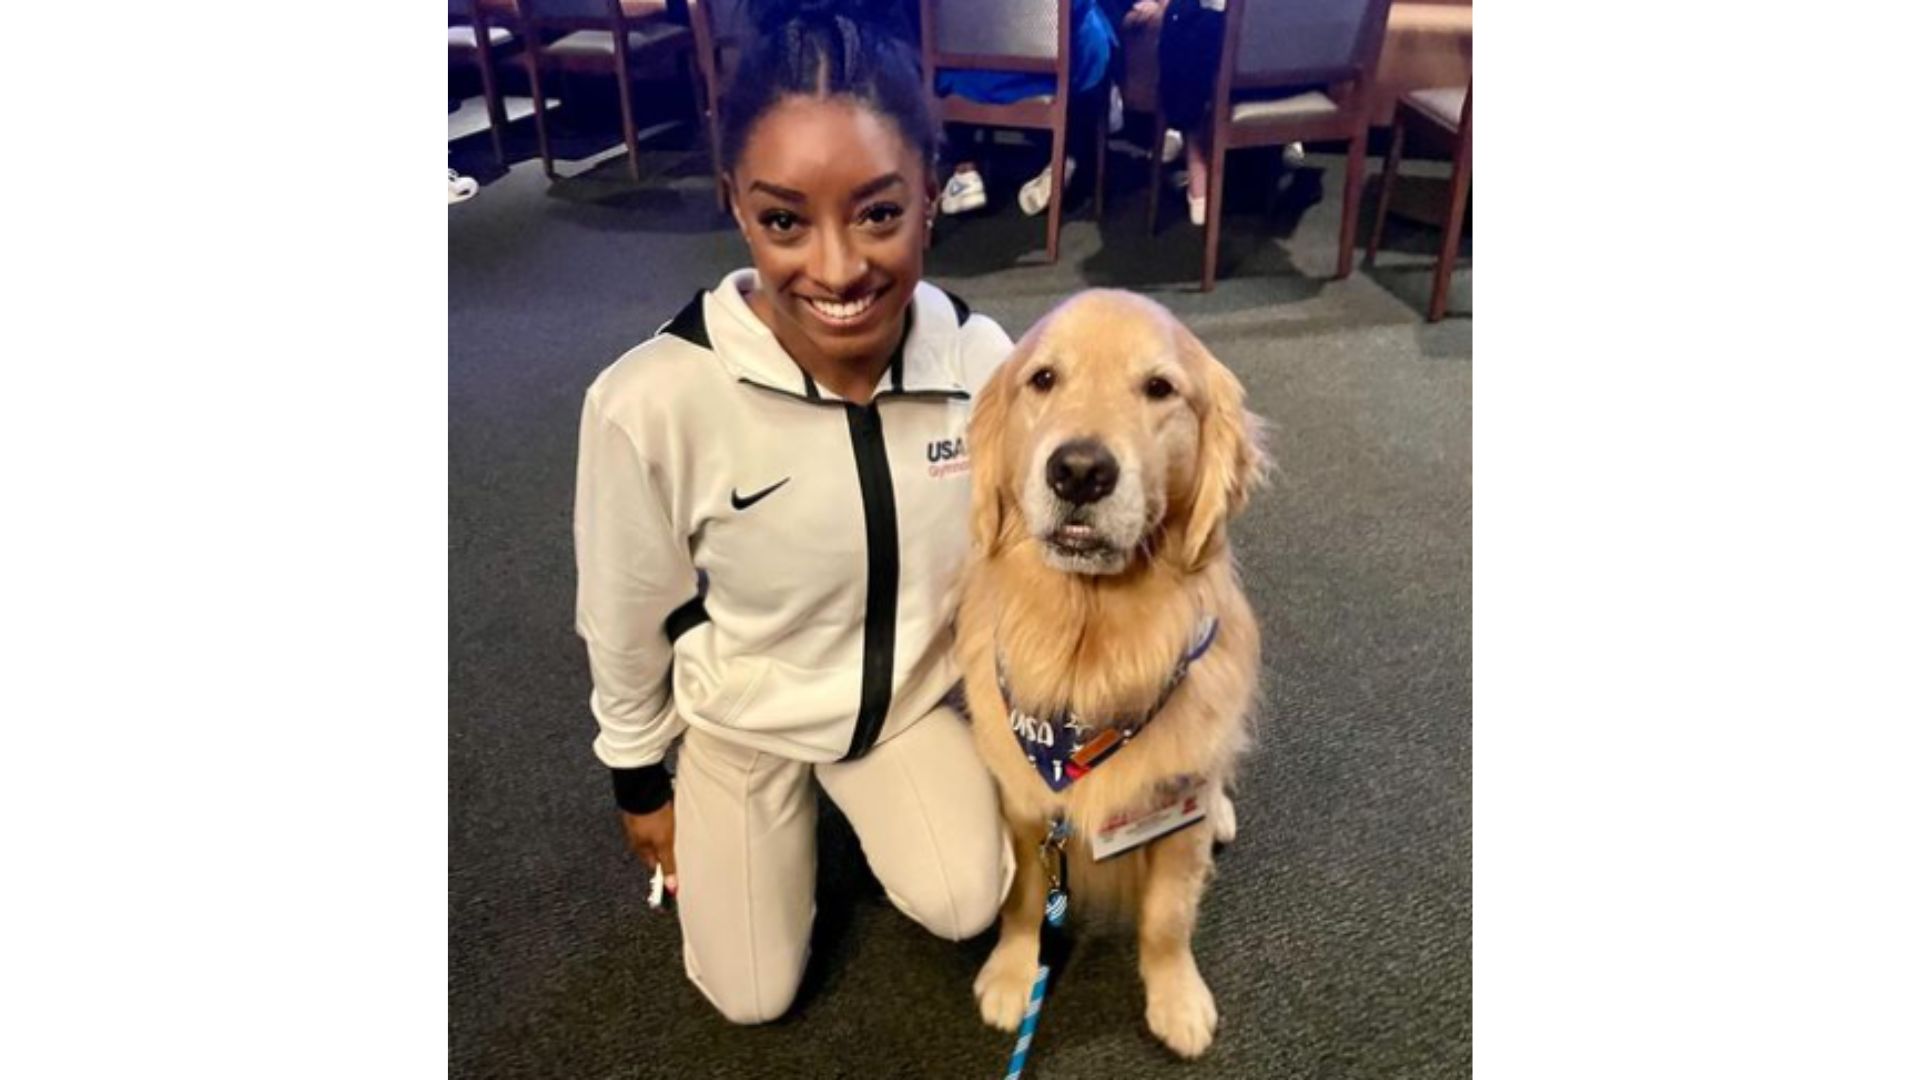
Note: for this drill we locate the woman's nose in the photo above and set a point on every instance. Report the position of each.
(838, 264)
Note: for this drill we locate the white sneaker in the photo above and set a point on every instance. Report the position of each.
(1116, 111)
(1172, 146)
(965, 191)
(1037, 192)
(1196, 208)
(460, 188)
(1293, 155)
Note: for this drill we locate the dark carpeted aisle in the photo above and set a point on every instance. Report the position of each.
(1337, 936)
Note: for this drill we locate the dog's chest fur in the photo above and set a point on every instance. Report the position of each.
(1104, 657)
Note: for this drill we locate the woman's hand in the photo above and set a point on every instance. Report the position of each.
(651, 837)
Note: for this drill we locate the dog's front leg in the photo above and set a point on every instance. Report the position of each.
(1180, 1009)
(1006, 980)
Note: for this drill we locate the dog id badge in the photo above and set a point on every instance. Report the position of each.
(1176, 806)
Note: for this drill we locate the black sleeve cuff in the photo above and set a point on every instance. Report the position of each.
(642, 790)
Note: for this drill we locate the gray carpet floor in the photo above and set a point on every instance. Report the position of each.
(1337, 936)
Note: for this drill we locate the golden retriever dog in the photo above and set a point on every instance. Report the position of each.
(1109, 453)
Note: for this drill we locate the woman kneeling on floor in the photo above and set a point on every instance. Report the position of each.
(771, 515)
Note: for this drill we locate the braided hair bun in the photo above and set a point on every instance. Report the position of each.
(858, 49)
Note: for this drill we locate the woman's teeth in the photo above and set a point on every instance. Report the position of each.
(843, 312)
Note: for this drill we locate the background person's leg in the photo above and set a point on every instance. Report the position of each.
(744, 842)
(928, 818)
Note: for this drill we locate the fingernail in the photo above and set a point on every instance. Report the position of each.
(673, 883)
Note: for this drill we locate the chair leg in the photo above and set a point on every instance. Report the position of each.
(531, 55)
(1386, 185)
(1154, 170)
(628, 132)
(1450, 240)
(1350, 201)
(1059, 190)
(490, 88)
(1216, 186)
(711, 97)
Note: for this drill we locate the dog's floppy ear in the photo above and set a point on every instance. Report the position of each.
(1232, 459)
(986, 434)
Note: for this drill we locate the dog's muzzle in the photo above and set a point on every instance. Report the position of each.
(1080, 472)
(1085, 507)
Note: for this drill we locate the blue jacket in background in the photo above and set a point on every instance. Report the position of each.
(1094, 44)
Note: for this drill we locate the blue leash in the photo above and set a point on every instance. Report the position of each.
(1053, 940)
(1027, 1024)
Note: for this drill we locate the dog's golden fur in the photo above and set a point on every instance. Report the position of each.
(1103, 644)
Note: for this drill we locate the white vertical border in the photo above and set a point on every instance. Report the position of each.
(1695, 549)
(223, 429)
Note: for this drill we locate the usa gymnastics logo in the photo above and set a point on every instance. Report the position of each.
(947, 457)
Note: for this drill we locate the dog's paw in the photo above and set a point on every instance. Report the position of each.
(1005, 983)
(1226, 824)
(1182, 1015)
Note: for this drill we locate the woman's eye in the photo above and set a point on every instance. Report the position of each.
(1158, 388)
(883, 213)
(1041, 380)
(779, 221)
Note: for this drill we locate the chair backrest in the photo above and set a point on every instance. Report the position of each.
(475, 12)
(573, 12)
(981, 29)
(1287, 42)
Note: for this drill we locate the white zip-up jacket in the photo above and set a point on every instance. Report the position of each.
(761, 559)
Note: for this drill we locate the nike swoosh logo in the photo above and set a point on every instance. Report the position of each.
(741, 504)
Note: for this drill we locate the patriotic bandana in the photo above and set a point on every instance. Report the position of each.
(1063, 749)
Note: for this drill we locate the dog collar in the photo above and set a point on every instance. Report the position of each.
(1063, 747)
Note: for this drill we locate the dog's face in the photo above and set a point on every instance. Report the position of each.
(1110, 428)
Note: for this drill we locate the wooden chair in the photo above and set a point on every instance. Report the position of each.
(1009, 35)
(720, 27)
(600, 37)
(1443, 116)
(472, 37)
(1281, 46)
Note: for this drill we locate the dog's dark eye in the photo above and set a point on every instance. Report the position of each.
(1041, 380)
(1158, 388)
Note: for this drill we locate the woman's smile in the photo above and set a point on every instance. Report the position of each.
(852, 314)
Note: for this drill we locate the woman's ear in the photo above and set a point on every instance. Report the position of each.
(1232, 458)
(986, 438)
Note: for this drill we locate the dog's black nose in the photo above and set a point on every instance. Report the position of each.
(1082, 471)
